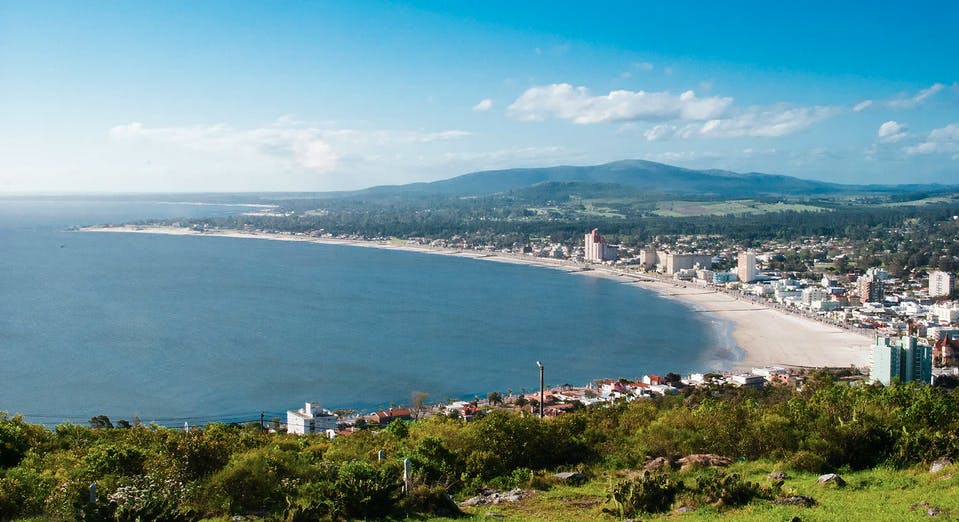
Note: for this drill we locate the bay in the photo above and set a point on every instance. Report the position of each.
(172, 328)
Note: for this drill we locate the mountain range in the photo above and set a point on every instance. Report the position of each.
(636, 174)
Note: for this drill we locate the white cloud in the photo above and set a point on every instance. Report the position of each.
(643, 66)
(861, 106)
(760, 121)
(484, 105)
(659, 132)
(576, 104)
(771, 121)
(891, 132)
(944, 140)
(919, 97)
(308, 146)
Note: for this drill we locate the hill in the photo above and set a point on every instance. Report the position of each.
(634, 174)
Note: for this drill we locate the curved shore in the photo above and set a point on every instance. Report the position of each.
(766, 336)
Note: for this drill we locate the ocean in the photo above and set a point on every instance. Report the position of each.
(172, 329)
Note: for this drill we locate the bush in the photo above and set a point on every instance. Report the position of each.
(364, 491)
(807, 461)
(646, 494)
(251, 482)
(22, 493)
(721, 489)
(115, 459)
(150, 498)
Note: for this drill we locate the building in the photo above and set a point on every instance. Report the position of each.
(813, 293)
(870, 289)
(941, 284)
(310, 419)
(648, 258)
(387, 416)
(901, 359)
(673, 263)
(945, 352)
(746, 267)
(597, 249)
(721, 278)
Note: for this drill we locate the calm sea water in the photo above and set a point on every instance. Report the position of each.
(174, 328)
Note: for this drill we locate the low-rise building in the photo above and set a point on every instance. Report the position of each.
(310, 419)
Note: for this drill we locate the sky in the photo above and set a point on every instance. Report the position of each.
(229, 96)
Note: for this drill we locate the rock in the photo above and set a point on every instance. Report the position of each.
(474, 501)
(939, 465)
(493, 514)
(685, 509)
(933, 511)
(659, 464)
(777, 475)
(495, 497)
(796, 500)
(703, 460)
(831, 478)
(571, 477)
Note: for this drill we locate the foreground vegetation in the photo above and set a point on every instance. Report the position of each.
(875, 437)
(883, 493)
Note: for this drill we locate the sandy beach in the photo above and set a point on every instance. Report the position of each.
(766, 336)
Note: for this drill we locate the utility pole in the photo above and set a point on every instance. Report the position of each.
(541, 392)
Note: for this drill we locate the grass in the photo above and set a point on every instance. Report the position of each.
(732, 207)
(876, 494)
(945, 198)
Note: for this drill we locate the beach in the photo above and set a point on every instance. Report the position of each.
(767, 337)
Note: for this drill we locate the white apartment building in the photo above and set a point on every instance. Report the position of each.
(941, 283)
(746, 267)
(310, 419)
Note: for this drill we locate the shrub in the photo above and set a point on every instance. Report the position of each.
(115, 459)
(647, 494)
(150, 498)
(807, 461)
(721, 489)
(22, 493)
(364, 491)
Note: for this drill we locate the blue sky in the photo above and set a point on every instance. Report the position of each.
(250, 96)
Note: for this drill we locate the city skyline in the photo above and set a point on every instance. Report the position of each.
(250, 96)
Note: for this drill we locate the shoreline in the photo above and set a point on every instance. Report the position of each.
(762, 336)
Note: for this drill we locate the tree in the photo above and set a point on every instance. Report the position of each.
(417, 402)
(101, 422)
(495, 398)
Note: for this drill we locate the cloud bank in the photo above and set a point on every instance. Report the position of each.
(576, 104)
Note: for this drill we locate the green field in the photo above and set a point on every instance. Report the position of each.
(877, 494)
(732, 207)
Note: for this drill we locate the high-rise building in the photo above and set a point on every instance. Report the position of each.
(746, 267)
(870, 289)
(941, 284)
(597, 249)
(902, 359)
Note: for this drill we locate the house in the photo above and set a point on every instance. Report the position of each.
(387, 416)
(470, 412)
(747, 380)
(653, 379)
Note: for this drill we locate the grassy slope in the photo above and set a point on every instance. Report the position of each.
(877, 494)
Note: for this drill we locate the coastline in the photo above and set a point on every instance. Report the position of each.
(763, 336)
